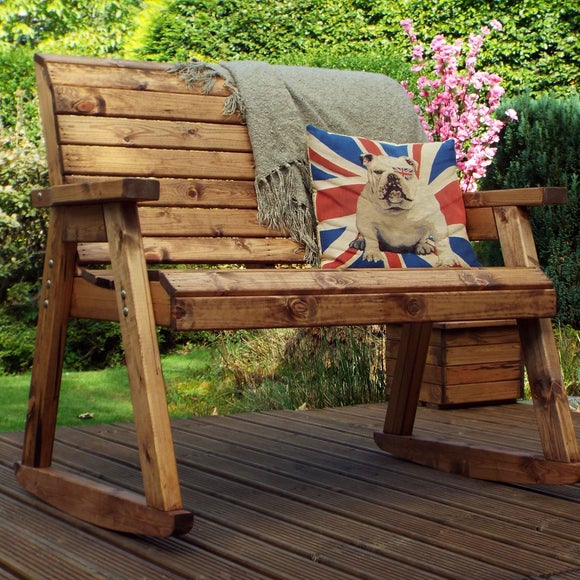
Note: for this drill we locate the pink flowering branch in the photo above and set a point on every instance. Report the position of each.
(456, 101)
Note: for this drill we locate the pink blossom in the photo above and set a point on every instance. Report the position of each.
(455, 101)
(418, 52)
(407, 25)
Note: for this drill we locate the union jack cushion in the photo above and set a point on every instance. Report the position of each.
(339, 177)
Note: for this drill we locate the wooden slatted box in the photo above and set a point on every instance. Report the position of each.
(467, 364)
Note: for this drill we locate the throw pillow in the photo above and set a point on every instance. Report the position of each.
(381, 204)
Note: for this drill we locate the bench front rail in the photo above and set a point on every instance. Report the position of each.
(145, 171)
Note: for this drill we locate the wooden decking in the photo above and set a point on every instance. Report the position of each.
(303, 495)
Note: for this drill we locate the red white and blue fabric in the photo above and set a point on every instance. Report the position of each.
(339, 178)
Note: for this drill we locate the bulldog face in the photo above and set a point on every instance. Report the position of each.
(392, 180)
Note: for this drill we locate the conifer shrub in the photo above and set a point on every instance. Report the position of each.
(543, 148)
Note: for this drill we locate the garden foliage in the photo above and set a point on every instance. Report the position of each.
(537, 50)
(95, 28)
(542, 147)
(540, 49)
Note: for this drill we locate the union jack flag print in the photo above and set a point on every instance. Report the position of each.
(339, 178)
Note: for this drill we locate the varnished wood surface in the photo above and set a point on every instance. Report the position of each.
(303, 302)
(108, 118)
(137, 120)
(303, 495)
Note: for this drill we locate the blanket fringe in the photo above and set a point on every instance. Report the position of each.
(278, 210)
(201, 74)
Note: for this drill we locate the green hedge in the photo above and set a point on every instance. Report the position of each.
(543, 148)
(539, 47)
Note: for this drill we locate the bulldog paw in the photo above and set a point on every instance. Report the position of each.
(374, 255)
(358, 244)
(424, 248)
(448, 260)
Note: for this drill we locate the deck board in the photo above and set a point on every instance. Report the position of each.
(303, 495)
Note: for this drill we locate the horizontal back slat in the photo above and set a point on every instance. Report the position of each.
(201, 222)
(115, 118)
(481, 224)
(120, 132)
(140, 104)
(195, 192)
(85, 223)
(132, 162)
(120, 74)
(206, 250)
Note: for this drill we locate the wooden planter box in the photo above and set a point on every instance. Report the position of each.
(468, 364)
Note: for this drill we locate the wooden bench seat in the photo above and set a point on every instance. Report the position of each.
(145, 171)
(235, 299)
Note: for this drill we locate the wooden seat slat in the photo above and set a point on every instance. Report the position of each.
(348, 282)
(121, 132)
(308, 310)
(96, 299)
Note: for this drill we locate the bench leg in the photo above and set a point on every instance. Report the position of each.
(161, 513)
(549, 396)
(55, 298)
(405, 388)
(560, 463)
(142, 358)
(558, 466)
(407, 378)
(154, 438)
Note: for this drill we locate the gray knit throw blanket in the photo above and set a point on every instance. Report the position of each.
(277, 102)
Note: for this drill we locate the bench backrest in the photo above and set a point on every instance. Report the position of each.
(112, 118)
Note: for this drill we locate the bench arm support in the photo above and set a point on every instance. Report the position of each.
(531, 196)
(110, 190)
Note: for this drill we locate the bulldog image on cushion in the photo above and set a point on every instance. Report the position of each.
(395, 215)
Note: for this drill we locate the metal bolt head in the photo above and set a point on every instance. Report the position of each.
(51, 263)
(125, 311)
(45, 303)
(123, 294)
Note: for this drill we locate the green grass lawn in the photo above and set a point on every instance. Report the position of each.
(103, 394)
(200, 383)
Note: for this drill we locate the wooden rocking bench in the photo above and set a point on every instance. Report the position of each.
(111, 124)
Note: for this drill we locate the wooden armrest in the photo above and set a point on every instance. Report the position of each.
(526, 196)
(110, 190)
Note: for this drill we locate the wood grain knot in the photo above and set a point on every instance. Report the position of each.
(501, 213)
(90, 106)
(414, 307)
(301, 308)
(194, 193)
